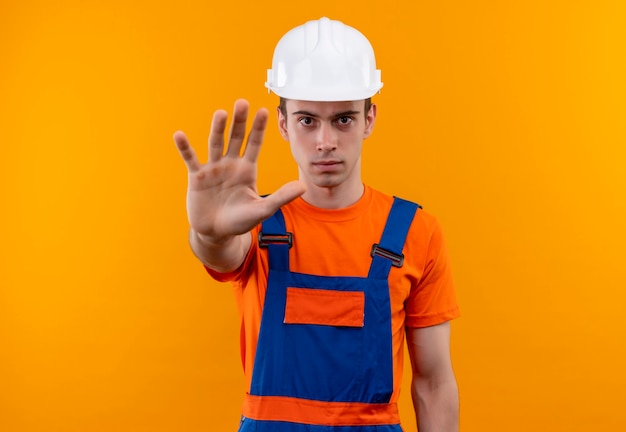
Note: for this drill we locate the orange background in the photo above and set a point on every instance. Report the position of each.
(505, 119)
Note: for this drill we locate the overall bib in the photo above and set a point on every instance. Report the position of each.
(324, 360)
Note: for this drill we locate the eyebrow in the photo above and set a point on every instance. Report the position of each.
(310, 114)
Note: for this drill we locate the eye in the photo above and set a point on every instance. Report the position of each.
(306, 121)
(344, 121)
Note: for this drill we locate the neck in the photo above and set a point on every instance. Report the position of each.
(334, 197)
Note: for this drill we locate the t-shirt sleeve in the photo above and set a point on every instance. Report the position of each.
(433, 300)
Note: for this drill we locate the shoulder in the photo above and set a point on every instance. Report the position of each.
(424, 223)
(423, 220)
(425, 233)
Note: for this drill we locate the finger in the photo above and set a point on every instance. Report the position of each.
(287, 193)
(186, 151)
(255, 138)
(238, 128)
(216, 136)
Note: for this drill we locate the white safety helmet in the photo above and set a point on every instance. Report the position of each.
(324, 60)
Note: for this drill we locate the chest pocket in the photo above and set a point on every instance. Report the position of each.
(325, 307)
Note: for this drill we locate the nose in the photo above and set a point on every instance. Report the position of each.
(326, 139)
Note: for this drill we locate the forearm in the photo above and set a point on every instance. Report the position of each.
(224, 255)
(436, 405)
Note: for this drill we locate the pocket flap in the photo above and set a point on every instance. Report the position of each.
(325, 307)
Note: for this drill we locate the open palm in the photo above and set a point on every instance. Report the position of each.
(222, 197)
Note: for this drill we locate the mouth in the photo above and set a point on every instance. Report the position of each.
(327, 166)
(327, 163)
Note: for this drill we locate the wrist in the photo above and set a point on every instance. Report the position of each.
(222, 254)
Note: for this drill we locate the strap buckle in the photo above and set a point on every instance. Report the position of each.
(267, 239)
(396, 260)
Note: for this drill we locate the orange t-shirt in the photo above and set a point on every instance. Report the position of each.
(338, 242)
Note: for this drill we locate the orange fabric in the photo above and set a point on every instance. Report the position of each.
(338, 243)
(279, 408)
(324, 307)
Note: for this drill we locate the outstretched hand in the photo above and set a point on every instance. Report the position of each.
(222, 197)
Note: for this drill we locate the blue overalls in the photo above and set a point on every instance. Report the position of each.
(310, 373)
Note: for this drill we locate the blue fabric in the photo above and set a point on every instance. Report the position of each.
(278, 253)
(394, 235)
(294, 360)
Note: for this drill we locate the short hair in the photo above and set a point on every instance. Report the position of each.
(283, 108)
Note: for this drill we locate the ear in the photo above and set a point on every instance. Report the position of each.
(370, 119)
(282, 125)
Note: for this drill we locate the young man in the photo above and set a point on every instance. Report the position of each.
(330, 275)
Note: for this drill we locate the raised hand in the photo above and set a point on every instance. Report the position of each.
(222, 197)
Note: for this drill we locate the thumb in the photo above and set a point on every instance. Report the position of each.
(285, 194)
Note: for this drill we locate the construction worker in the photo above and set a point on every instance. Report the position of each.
(330, 275)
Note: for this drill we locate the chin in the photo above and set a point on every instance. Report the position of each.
(327, 183)
(328, 180)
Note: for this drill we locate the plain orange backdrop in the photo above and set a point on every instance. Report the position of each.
(505, 119)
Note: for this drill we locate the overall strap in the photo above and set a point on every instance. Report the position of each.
(277, 240)
(388, 252)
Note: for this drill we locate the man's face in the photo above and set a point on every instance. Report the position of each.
(326, 140)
